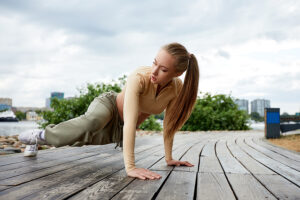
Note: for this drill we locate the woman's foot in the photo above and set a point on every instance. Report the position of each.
(33, 137)
(31, 150)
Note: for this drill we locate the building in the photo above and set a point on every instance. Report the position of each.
(59, 95)
(242, 104)
(259, 105)
(5, 103)
(28, 109)
(33, 116)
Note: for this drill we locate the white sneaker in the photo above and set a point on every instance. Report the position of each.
(31, 150)
(31, 137)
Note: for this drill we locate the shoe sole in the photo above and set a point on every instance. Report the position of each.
(30, 154)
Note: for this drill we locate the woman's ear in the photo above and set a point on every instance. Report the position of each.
(178, 74)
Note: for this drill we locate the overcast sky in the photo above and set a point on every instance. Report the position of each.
(249, 49)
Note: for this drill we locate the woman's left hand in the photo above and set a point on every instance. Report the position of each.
(178, 163)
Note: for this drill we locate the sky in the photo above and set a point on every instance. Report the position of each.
(246, 49)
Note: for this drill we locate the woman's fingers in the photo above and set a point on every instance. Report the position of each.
(147, 174)
(186, 163)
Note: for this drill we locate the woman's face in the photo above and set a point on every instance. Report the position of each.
(163, 70)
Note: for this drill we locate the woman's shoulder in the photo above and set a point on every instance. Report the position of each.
(142, 73)
(143, 70)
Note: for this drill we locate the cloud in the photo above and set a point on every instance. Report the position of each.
(248, 48)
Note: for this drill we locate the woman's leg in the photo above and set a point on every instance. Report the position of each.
(80, 130)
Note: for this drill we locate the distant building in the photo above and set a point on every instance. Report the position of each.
(4, 107)
(59, 95)
(5, 103)
(242, 104)
(28, 109)
(48, 101)
(258, 105)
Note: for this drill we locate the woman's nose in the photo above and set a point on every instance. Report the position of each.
(155, 70)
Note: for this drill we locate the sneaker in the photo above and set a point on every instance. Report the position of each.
(32, 137)
(31, 150)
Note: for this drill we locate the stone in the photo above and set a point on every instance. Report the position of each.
(11, 149)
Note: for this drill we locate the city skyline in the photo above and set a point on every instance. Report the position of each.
(246, 49)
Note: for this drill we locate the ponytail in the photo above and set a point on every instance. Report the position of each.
(188, 95)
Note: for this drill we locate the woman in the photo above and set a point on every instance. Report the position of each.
(113, 117)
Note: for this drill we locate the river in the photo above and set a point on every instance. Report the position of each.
(15, 128)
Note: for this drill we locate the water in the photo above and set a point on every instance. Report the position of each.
(15, 128)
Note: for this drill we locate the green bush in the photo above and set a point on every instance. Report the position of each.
(150, 124)
(65, 109)
(20, 115)
(218, 112)
(256, 117)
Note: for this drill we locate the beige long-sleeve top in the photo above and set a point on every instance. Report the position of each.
(140, 96)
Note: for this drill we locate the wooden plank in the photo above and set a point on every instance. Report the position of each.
(247, 161)
(213, 186)
(23, 178)
(192, 156)
(35, 166)
(277, 185)
(142, 189)
(52, 157)
(208, 160)
(60, 165)
(277, 149)
(4, 187)
(176, 154)
(110, 186)
(179, 185)
(279, 158)
(228, 162)
(247, 187)
(49, 153)
(19, 157)
(288, 173)
(280, 187)
(65, 182)
(83, 179)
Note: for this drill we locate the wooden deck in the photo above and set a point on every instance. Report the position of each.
(228, 165)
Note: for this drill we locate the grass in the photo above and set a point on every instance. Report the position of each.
(291, 142)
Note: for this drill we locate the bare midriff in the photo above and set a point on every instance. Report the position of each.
(120, 104)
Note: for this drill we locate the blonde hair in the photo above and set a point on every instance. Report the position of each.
(184, 61)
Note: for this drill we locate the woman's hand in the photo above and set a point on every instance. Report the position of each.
(178, 163)
(143, 174)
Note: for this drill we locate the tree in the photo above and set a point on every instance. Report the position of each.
(20, 115)
(256, 117)
(218, 112)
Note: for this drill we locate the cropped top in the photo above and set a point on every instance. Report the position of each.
(140, 96)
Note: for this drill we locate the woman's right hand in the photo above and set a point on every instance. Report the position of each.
(143, 174)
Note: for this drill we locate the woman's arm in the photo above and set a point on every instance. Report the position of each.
(130, 114)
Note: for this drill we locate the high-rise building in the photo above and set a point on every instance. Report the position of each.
(5, 103)
(259, 105)
(59, 95)
(242, 104)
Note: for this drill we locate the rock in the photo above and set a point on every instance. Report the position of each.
(11, 149)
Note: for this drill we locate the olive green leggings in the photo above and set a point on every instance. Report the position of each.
(101, 124)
